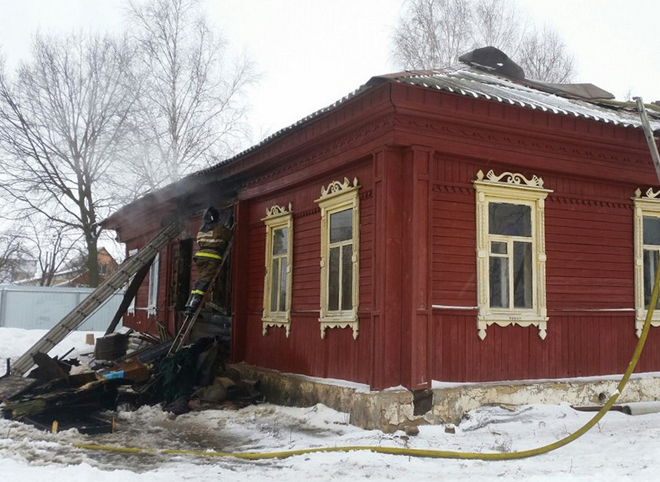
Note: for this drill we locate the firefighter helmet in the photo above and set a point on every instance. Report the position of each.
(210, 218)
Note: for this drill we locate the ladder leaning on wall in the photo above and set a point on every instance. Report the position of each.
(106, 289)
(189, 320)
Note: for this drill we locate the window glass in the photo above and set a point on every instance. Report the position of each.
(522, 275)
(280, 240)
(282, 303)
(651, 238)
(650, 267)
(511, 265)
(333, 280)
(347, 277)
(341, 226)
(509, 219)
(274, 276)
(499, 282)
(498, 247)
(652, 230)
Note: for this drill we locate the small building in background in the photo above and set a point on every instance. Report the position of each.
(21, 269)
(77, 276)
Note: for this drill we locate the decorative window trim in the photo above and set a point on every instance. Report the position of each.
(152, 303)
(647, 204)
(336, 197)
(278, 217)
(511, 188)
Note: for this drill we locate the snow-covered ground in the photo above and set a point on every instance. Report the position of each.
(620, 447)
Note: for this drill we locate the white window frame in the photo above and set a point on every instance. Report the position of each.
(278, 217)
(131, 307)
(511, 188)
(647, 205)
(337, 197)
(152, 303)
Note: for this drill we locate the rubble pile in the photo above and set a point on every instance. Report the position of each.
(55, 397)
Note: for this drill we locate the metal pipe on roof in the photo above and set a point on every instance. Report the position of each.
(648, 133)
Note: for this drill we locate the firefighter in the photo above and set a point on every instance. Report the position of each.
(212, 239)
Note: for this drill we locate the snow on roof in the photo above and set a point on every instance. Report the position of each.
(467, 81)
(471, 81)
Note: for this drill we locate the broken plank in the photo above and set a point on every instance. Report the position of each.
(12, 386)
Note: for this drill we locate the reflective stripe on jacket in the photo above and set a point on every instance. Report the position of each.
(206, 254)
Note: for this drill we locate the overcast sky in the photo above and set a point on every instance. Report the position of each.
(311, 53)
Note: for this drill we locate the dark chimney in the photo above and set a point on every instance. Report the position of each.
(490, 59)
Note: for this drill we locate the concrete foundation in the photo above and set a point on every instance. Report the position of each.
(396, 409)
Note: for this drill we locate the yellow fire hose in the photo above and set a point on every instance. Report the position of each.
(441, 454)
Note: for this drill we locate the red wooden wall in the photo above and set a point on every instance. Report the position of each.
(338, 355)
(590, 292)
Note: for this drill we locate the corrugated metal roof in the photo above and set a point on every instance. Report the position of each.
(465, 80)
(468, 81)
(473, 83)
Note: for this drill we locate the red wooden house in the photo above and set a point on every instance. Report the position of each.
(453, 225)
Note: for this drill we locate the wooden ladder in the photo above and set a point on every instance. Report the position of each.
(106, 289)
(190, 320)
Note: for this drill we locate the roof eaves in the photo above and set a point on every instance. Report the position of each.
(194, 178)
(287, 130)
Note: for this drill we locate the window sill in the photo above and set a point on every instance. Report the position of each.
(277, 322)
(640, 320)
(523, 319)
(339, 321)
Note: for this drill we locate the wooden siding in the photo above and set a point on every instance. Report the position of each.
(454, 266)
(590, 289)
(576, 346)
(338, 355)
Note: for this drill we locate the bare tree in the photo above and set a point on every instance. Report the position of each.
(14, 259)
(52, 246)
(62, 124)
(498, 23)
(544, 56)
(432, 34)
(192, 106)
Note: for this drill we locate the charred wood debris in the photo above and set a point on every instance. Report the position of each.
(127, 371)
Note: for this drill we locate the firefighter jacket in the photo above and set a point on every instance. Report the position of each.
(213, 242)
